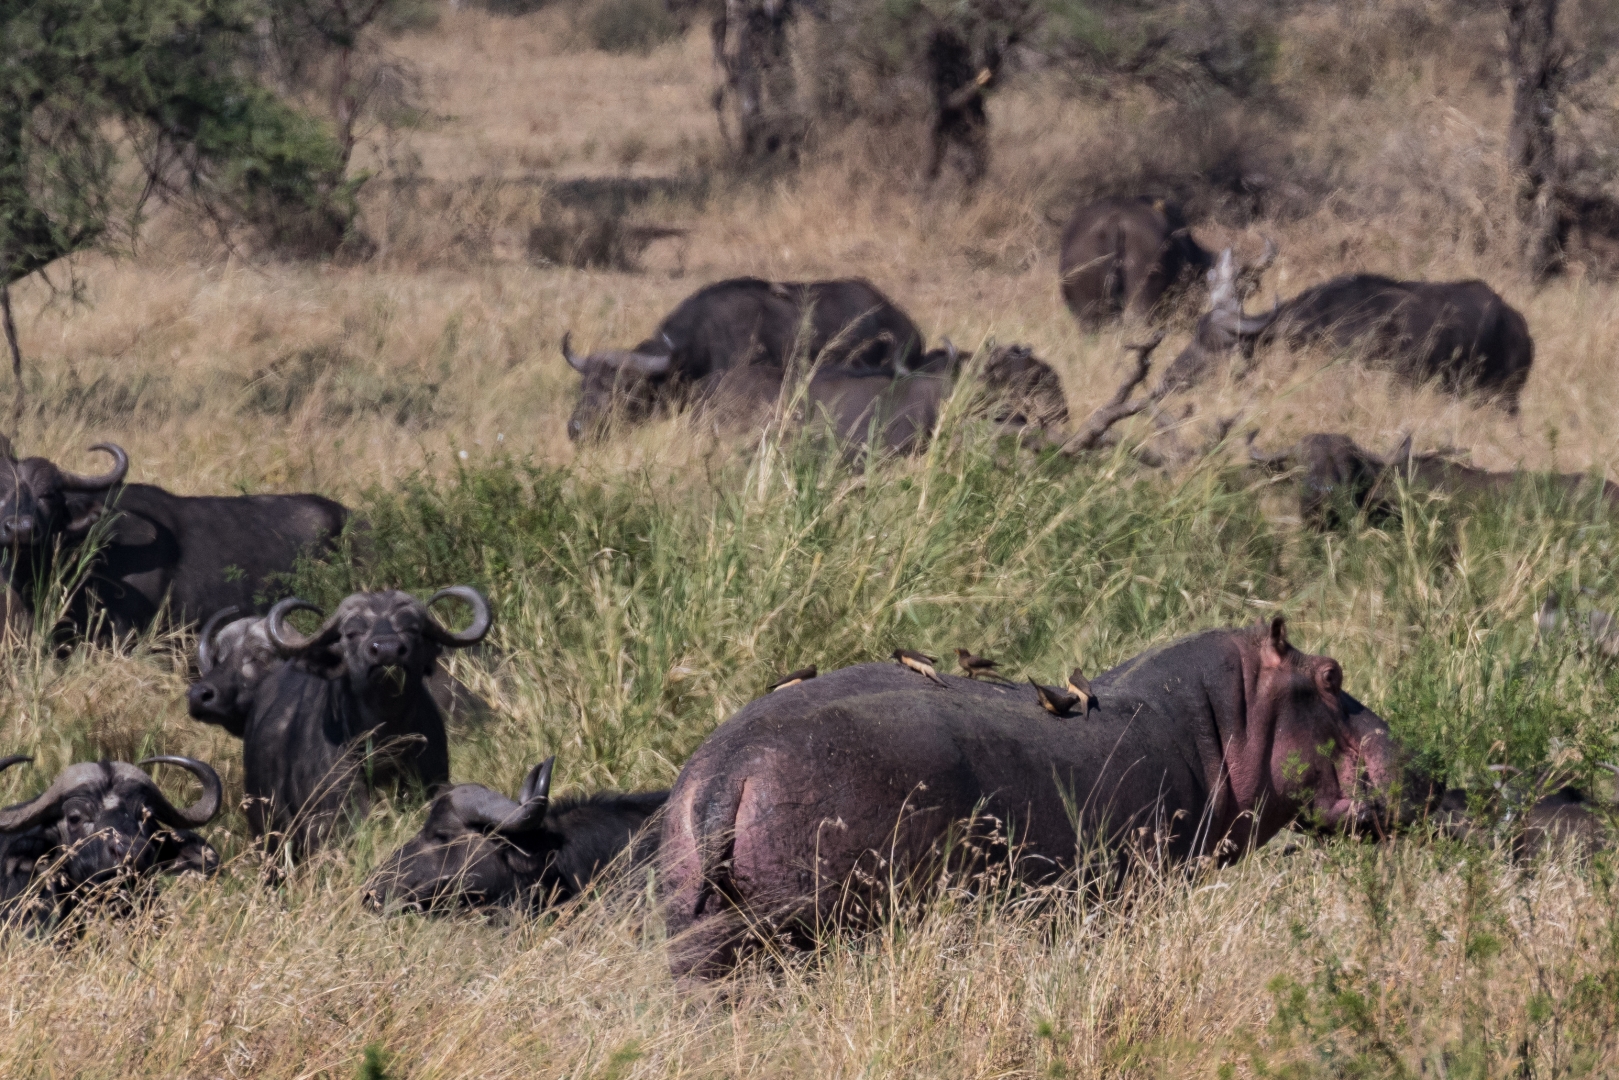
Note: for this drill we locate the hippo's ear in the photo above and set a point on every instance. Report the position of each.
(1276, 648)
(1329, 678)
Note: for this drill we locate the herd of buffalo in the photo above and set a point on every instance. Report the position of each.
(814, 802)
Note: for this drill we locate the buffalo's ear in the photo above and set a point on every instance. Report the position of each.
(83, 511)
(132, 530)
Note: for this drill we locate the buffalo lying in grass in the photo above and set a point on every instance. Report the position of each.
(479, 848)
(347, 711)
(195, 553)
(888, 411)
(798, 810)
(1458, 333)
(1339, 476)
(98, 822)
(734, 324)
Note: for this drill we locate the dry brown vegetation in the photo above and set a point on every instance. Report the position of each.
(221, 372)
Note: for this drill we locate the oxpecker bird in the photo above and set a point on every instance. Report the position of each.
(918, 662)
(975, 666)
(1054, 699)
(792, 678)
(1080, 686)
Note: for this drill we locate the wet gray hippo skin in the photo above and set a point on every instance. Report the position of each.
(1213, 743)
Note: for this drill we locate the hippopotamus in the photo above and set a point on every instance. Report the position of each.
(800, 809)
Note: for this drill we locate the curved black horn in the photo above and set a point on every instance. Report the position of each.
(14, 759)
(286, 640)
(567, 354)
(26, 815)
(207, 805)
(474, 632)
(537, 784)
(120, 468)
(210, 629)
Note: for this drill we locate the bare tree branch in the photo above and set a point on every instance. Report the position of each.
(1091, 433)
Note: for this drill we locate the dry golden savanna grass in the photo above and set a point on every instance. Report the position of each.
(223, 373)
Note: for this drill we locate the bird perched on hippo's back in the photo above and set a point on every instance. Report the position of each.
(1216, 741)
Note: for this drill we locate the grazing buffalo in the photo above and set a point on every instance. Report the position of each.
(888, 411)
(797, 810)
(348, 711)
(479, 848)
(1460, 333)
(1340, 477)
(98, 821)
(234, 654)
(733, 324)
(1123, 255)
(195, 553)
(1571, 817)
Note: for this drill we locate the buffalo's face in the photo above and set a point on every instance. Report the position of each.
(39, 502)
(100, 821)
(381, 639)
(478, 848)
(382, 642)
(451, 862)
(1330, 756)
(616, 384)
(611, 392)
(237, 659)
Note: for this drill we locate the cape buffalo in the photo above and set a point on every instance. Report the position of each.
(900, 409)
(1460, 333)
(1572, 816)
(1123, 255)
(735, 323)
(234, 654)
(195, 553)
(479, 848)
(348, 711)
(96, 822)
(797, 810)
(1339, 477)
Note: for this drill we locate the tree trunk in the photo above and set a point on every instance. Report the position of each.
(1531, 142)
(16, 356)
(759, 81)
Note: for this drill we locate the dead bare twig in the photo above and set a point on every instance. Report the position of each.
(1092, 433)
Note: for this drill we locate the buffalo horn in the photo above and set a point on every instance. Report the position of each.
(567, 354)
(25, 816)
(14, 759)
(649, 364)
(286, 640)
(481, 618)
(75, 482)
(210, 630)
(1234, 322)
(537, 784)
(534, 800)
(198, 813)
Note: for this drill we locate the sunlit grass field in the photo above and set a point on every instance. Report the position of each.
(648, 586)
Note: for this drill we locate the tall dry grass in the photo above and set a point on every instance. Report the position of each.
(648, 586)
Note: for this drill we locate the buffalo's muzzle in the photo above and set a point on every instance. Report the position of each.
(17, 529)
(202, 699)
(388, 651)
